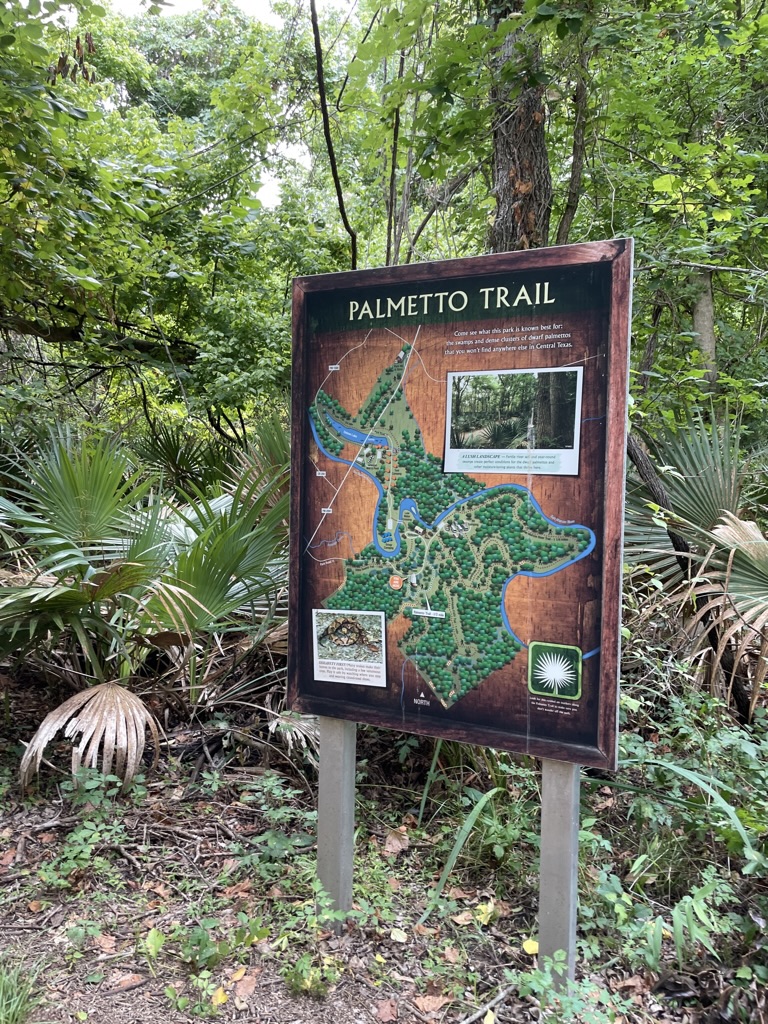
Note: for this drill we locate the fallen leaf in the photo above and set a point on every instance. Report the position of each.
(46, 837)
(106, 943)
(386, 1010)
(240, 1004)
(239, 973)
(246, 986)
(127, 981)
(35, 906)
(451, 954)
(489, 1018)
(394, 884)
(454, 893)
(635, 982)
(8, 856)
(239, 888)
(396, 842)
(465, 917)
(485, 912)
(219, 997)
(531, 947)
(398, 935)
(430, 1004)
(422, 929)
(157, 887)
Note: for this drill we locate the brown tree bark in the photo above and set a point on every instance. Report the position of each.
(521, 177)
(578, 151)
(704, 322)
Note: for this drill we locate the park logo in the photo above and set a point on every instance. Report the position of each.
(554, 670)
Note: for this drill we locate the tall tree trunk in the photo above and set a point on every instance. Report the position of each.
(543, 413)
(558, 410)
(704, 322)
(521, 177)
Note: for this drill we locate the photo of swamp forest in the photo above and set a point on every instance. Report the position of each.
(511, 409)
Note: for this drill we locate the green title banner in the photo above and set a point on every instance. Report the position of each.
(550, 292)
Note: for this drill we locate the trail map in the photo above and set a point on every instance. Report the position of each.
(443, 546)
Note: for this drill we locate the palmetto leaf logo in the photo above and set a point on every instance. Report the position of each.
(554, 670)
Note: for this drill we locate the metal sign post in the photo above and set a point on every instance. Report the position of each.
(559, 864)
(336, 810)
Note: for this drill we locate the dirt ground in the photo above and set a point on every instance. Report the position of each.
(196, 902)
(89, 940)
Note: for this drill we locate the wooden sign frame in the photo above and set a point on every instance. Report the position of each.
(451, 575)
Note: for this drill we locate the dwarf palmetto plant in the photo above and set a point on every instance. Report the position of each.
(719, 572)
(185, 459)
(702, 471)
(730, 594)
(113, 572)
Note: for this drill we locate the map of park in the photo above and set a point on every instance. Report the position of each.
(443, 546)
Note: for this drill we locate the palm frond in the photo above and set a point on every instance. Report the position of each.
(72, 503)
(32, 615)
(106, 717)
(266, 460)
(703, 468)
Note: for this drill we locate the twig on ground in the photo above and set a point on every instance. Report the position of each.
(498, 998)
(125, 855)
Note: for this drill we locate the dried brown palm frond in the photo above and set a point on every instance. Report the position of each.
(106, 717)
(730, 594)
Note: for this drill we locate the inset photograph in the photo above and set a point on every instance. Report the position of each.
(349, 646)
(514, 421)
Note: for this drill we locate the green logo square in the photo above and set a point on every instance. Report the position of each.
(554, 670)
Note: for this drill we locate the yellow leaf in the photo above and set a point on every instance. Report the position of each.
(485, 912)
(239, 973)
(219, 997)
(489, 1018)
(398, 935)
(531, 947)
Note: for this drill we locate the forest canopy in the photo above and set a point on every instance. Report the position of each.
(141, 267)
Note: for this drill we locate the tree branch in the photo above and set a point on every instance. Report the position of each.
(327, 133)
(578, 152)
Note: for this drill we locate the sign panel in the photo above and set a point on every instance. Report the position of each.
(457, 497)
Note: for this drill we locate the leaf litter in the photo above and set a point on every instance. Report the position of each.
(131, 934)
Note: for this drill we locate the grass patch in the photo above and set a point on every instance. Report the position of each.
(17, 994)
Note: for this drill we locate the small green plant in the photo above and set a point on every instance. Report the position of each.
(90, 789)
(205, 945)
(79, 934)
(307, 978)
(201, 1002)
(17, 994)
(563, 1002)
(101, 801)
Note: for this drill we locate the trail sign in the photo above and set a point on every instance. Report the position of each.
(457, 470)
